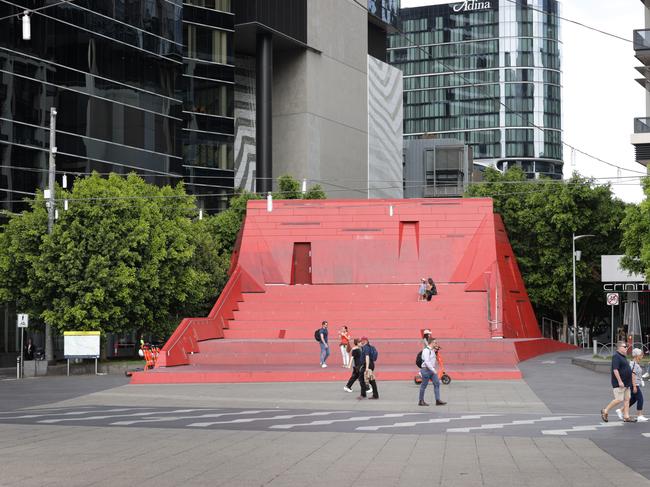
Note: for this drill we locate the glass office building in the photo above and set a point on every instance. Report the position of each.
(486, 73)
(140, 86)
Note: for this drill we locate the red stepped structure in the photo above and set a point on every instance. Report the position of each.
(359, 263)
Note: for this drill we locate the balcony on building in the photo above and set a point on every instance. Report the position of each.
(642, 45)
(641, 140)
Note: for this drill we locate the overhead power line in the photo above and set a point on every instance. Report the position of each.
(31, 10)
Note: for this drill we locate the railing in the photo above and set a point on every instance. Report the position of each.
(184, 341)
(642, 125)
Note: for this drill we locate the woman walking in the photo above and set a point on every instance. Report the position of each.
(637, 383)
(344, 336)
(355, 364)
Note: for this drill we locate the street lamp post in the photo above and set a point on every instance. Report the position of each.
(575, 317)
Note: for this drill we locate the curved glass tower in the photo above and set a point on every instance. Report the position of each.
(489, 75)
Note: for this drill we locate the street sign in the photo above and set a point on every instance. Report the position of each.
(22, 321)
(612, 299)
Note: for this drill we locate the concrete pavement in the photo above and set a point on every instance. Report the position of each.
(240, 452)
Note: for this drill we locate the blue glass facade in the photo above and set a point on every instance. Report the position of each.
(488, 74)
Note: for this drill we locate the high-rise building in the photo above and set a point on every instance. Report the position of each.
(315, 98)
(641, 136)
(488, 74)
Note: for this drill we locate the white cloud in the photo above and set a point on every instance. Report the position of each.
(600, 96)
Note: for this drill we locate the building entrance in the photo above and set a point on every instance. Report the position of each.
(301, 263)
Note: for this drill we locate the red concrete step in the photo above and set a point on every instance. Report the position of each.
(191, 374)
(377, 333)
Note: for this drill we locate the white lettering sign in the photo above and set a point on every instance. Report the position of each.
(471, 5)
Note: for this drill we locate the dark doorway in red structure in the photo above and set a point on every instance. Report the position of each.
(301, 264)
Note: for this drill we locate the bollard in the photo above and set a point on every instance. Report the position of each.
(18, 367)
(595, 347)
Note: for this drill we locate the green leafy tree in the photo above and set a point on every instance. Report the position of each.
(540, 217)
(290, 189)
(124, 256)
(636, 235)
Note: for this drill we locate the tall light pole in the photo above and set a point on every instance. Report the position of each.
(51, 212)
(573, 258)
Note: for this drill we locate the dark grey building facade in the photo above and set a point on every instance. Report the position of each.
(488, 74)
(641, 135)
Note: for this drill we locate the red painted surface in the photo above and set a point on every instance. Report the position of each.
(366, 268)
(301, 263)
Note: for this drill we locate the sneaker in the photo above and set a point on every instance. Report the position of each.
(369, 391)
(323, 365)
(646, 375)
(619, 413)
(347, 389)
(641, 419)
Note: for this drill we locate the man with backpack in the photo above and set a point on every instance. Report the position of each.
(429, 372)
(320, 336)
(369, 356)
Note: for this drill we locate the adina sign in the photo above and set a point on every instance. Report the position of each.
(471, 5)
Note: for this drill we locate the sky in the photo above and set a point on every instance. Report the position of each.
(600, 97)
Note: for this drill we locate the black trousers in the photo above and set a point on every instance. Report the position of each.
(353, 377)
(362, 381)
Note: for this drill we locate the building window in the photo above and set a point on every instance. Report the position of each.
(206, 44)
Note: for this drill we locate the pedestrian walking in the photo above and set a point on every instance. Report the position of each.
(636, 395)
(621, 378)
(429, 372)
(321, 338)
(354, 364)
(344, 337)
(367, 370)
(422, 290)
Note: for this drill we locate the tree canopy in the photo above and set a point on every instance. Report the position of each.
(636, 236)
(125, 255)
(541, 216)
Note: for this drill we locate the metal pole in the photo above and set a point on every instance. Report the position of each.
(22, 352)
(49, 342)
(612, 306)
(573, 259)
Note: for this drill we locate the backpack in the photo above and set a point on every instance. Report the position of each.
(373, 353)
(418, 359)
(317, 335)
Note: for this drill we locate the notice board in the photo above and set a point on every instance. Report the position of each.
(81, 344)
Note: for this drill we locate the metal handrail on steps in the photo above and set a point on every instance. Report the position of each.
(181, 331)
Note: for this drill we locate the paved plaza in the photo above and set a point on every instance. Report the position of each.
(543, 430)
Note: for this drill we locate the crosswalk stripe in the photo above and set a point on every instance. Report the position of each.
(429, 421)
(250, 420)
(577, 429)
(331, 421)
(519, 422)
(90, 418)
(647, 435)
(176, 418)
(70, 413)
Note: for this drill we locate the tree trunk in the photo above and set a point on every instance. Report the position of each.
(565, 327)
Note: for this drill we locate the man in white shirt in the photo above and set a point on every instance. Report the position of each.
(429, 373)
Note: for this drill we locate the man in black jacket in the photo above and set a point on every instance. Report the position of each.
(621, 383)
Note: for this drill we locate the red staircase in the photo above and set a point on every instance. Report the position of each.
(262, 326)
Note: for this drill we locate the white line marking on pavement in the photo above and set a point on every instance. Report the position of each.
(518, 422)
(90, 418)
(70, 413)
(429, 421)
(176, 418)
(647, 435)
(577, 429)
(250, 420)
(330, 421)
